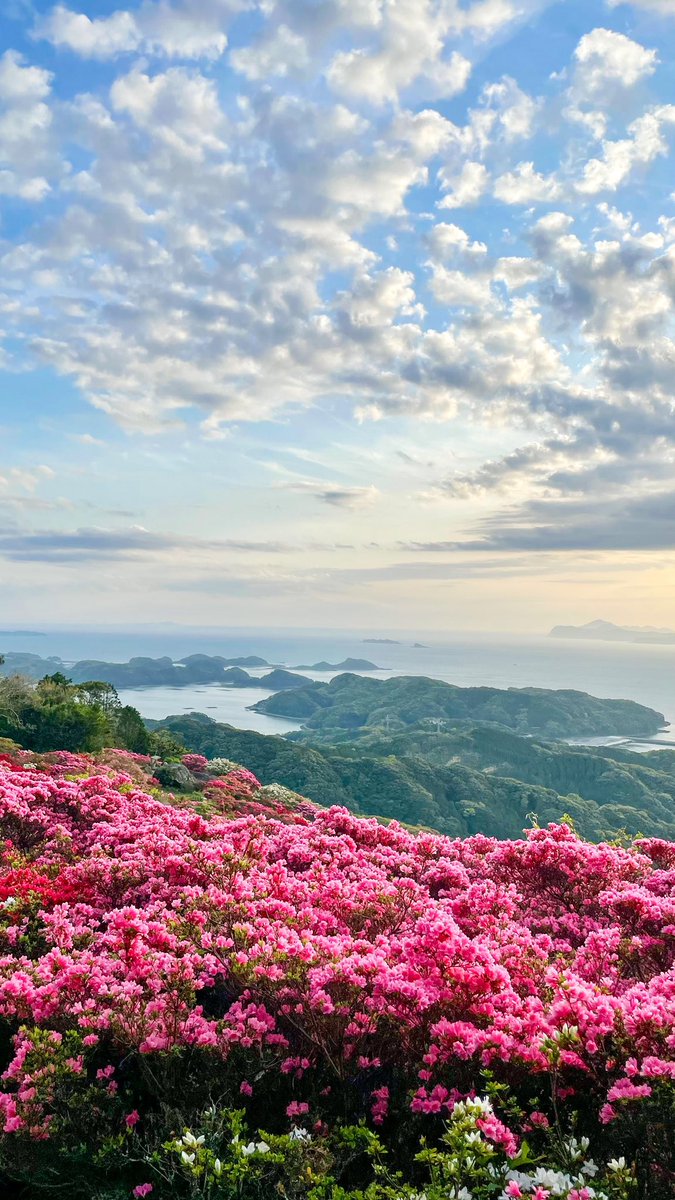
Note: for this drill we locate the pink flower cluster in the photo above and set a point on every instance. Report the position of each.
(332, 949)
(195, 762)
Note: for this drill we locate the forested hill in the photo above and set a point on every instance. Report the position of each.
(351, 702)
(391, 778)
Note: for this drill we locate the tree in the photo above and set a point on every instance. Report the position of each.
(54, 689)
(98, 694)
(131, 733)
(166, 745)
(16, 696)
(64, 726)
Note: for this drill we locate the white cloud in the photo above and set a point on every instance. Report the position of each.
(373, 184)
(185, 29)
(28, 157)
(377, 299)
(606, 66)
(280, 54)
(379, 78)
(179, 107)
(427, 132)
(513, 111)
(467, 187)
(103, 38)
(458, 289)
(604, 57)
(412, 40)
(447, 241)
(180, 30)
(517, 272)
(622, 157)
(524, 185)
(22, 85)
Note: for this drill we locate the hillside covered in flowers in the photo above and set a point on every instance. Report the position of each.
(235, 993)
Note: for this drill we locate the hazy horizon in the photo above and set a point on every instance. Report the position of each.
(17, 628)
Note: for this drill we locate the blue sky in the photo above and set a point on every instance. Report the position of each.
(337, 312)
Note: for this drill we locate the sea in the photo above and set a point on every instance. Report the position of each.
(645, 673)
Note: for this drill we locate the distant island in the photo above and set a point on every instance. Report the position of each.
(381, 642)
(347, 664)
(21, 633)
(158, 672)
(607, 632)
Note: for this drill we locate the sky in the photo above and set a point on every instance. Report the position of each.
(337, 313)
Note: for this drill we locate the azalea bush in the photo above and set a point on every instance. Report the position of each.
(269, 999)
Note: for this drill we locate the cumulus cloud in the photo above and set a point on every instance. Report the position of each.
(103, 37)
(450, 241)
(281, 53)
(466, 187)
(179, 30)
(524, 185)
(27, 156)
(620, 158)
(410, 42)
(604, 57)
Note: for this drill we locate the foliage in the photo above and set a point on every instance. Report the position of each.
(55, 714)
(351, 988)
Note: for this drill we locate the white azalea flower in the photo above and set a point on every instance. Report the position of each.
(300, 1135)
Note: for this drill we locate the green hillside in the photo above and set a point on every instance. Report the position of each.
(390, 778)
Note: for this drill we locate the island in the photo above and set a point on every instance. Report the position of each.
(142, 672)
(605, 631)
(352, 704)
(381, 642)
(21, 633)
(347, 664)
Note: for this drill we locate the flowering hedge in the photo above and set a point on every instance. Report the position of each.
(321, 973)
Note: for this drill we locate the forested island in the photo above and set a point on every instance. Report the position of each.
(350, 703)
(183, 672)
(160, 672)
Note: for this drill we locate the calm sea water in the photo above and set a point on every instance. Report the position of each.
(616, 670)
